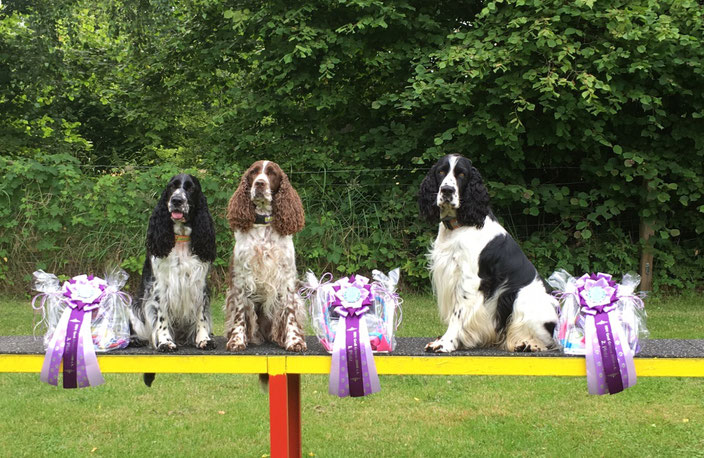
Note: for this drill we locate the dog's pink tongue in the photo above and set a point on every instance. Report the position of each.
(176, 215)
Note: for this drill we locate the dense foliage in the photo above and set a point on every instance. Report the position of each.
(584, 117)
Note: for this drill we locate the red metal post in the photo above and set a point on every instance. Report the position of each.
(294, 414)
(285, 415)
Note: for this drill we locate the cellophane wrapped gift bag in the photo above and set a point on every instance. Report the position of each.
(354, 318)
(110, 324)
(630, 311)
(382, 319)
(603, 320)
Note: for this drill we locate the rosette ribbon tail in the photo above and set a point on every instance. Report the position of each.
(72, 343)
(73, 330)
(88, 371)
(610, 366)
(55, 351)
(353, 371)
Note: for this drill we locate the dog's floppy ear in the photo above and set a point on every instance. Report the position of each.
(203, 233)
(240, 210)
(160, 233)
(474, 201)
(288, 216)
(428, 195)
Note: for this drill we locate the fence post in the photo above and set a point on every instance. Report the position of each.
(646, 255)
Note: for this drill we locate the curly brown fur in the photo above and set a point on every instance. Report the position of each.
(287, 207)
(240, 210)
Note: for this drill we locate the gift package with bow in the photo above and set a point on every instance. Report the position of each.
(353, 318)
(603, 320)
(83, 315)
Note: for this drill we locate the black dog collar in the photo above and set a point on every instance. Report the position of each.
(451, 223)
(262, 220)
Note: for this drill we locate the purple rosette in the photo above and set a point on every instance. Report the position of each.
(382, 319)
(353, 371)
(72, 342)
(609, 359)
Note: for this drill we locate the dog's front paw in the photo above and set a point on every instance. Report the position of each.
(167, 347)
(528, 347)
(208, 344)
(439, 346)
(297, 346)
(236, 343)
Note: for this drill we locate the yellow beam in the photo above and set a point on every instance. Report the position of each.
(311, 364)
(669, 367)
(21, 363)
(187, 364)
(276, 365)
(386, 365)
(477, 365)
(506, 365)
(450, 365)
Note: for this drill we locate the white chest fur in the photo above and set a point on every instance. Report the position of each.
(454, 262)
(179, 280)
(264, 262)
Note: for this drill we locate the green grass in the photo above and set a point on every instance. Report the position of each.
(227, 415)
(678, 317)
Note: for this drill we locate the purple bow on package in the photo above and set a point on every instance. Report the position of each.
(72, 341)
(604, 321)
(353, 372)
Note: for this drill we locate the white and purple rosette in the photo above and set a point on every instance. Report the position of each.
(609, 358)
(72, 342)
(353, 371)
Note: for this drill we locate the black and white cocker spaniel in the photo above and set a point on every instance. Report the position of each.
(262, 301)
(488, 292)
(173, 307)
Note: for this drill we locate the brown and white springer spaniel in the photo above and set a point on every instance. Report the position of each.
(262, 301)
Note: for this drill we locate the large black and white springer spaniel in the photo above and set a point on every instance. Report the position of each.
(173, 306)
(262, 301)
(488, 292)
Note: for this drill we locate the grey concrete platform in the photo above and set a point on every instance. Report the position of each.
(406, 346)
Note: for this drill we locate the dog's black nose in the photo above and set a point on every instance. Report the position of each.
(259, 184)
(176, 201)
(447, 190)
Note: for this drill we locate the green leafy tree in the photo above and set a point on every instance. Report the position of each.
(584, 117)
